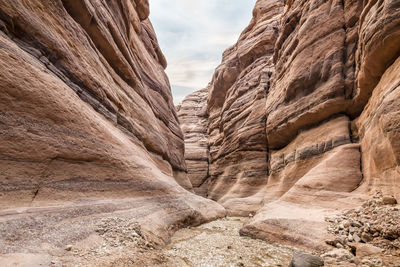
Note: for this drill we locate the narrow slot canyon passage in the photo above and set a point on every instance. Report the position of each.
(200, 133)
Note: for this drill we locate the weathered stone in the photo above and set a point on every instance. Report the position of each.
(389, 200)
(301, 259)
(350, 237)
(366, 237)
(338, 254)
(363, 250)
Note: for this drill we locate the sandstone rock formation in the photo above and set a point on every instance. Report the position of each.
(303, 115)
(236, 107)
(193, 120)
(87, 125)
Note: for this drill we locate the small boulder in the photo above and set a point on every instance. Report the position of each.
(366, 237)
(389, 200)
(353, 229)
(364, 250)
(356, 238)
(356, 224)
(350, 237)
(301, 259)
(339, 254)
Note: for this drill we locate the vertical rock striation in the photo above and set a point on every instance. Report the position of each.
(304, 117)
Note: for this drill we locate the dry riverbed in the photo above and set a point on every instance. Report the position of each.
(217, 243)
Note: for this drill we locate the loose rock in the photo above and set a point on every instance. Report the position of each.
(301, 259)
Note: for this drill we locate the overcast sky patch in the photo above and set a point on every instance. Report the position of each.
(193, 34)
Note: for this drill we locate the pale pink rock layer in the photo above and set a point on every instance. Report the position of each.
(87, 126)
(303, 116)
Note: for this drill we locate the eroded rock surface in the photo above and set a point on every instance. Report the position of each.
(236, 106)
(193, 120)
(87, 125)
(303, 115)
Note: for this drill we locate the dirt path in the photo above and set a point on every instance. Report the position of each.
(218, 243)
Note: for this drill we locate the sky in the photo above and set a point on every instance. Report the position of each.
(193, 35)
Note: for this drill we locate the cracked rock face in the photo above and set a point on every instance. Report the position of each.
(86, 116)
(303, 115)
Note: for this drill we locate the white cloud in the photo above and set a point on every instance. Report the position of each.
(194, 33)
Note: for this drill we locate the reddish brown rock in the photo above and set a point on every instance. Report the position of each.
(313, 62)
(378, 48)
(311, 87)
(379, 132)
(236, 106)
(87, 126)
(324, 133)
(315, 80)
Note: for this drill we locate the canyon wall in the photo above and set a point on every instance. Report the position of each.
(193, 120)
(303, 115)
(87, 124)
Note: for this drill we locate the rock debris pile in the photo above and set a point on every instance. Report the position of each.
(121, 232)
(363, 233)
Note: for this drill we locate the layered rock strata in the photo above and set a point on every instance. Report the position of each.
(193, 120)
(87, 121)
(303, 115)
(236, 106)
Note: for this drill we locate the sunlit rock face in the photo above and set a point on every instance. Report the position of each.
(86, 113)
(303, 115)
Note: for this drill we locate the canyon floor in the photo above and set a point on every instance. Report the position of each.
(217, 243)
(120, 242)
(366, 236)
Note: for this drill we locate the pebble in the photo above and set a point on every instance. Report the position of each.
(356, 238)
(352, 229)
(366, 237)
(350, 238)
